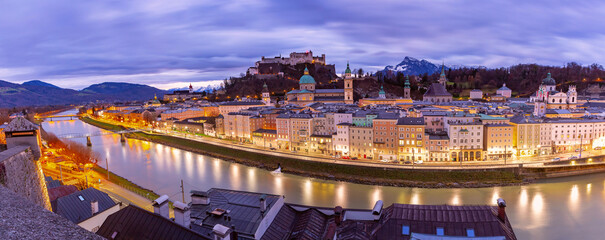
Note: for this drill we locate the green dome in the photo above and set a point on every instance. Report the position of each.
(549, 80)
(306, 79)
(381, 91)
(348, 69)
(407, 82)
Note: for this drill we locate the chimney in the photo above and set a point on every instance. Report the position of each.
(501, 209)
(338, 215)
(94, 206)
(221, 232)
(377, 210)
(199, 197)
(160, 206)
(263, 203)
(182, 214)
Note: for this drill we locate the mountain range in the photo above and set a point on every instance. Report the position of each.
(208, 89)
(413, 66)
(39, 93)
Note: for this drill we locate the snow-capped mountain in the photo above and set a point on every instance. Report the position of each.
(208, 88)
(413, 66)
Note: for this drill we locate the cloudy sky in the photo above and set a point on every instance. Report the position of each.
(170, 43)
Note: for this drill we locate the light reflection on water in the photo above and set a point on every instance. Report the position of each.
(552, 209)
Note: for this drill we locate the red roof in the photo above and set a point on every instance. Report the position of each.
(61, 191)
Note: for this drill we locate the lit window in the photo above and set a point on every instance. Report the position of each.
(405, 230)
(470, 232)
(440, 231)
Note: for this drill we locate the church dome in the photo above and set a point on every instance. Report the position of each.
(306, 79)
(549, 80)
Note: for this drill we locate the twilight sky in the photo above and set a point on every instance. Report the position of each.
(168, 44)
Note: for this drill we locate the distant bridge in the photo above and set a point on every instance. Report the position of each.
(83, 135)
(50, 117)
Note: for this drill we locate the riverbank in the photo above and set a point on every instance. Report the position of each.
(340, 172)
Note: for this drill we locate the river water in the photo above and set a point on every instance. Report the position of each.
(562, 208)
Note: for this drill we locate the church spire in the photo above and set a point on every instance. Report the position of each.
(443, 69)
(407, 82)
(348, 69)
(265, 88)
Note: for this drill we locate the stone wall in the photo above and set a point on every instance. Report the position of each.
(22, 219)
(22, 173)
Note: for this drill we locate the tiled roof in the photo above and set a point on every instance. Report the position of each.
(235, 103)
(76, 206)
(329, 90)
(436, 89)
(243, 211)
(410, 121)
(61, 191)
(292, 224)
(135, 223)
(455, 220)
(19, 124)
(329, 98)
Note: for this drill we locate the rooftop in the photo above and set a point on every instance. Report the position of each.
(410, 121)
(20, 124)
(436, 89)
(76, 206)
(240, 209)
(135, 223)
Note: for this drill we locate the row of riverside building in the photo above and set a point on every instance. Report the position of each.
(437, 128)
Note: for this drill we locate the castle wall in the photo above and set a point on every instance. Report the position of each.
(22, 173)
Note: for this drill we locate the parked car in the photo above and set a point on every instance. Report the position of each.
(573, 157)
(354, 158)
(418, 162)
(272, 149)
(598, 148)
(556, 159)
(395, 161)
(577, 150)
(408, 162)
(384, 160)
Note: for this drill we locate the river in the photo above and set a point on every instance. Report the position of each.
(562, 208)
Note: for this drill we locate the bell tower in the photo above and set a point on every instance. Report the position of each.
(348, 89)
(266, 95)
(406, 87)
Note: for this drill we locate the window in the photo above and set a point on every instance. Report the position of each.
(440, 231)
(470, 232)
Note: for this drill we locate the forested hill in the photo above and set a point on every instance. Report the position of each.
(522, 79)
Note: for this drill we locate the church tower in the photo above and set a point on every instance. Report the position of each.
(572, 95)
(348, 86)
(382, 94)
(442, 78)
(406, 87)
(266, 95)
(190, 88)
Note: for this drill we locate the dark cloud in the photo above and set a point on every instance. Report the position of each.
(77, 43)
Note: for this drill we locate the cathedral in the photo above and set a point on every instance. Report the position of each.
(547, 97)
(308, 94)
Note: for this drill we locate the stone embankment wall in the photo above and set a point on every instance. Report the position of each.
(22, 173)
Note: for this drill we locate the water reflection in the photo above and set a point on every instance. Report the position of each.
(551, 209)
